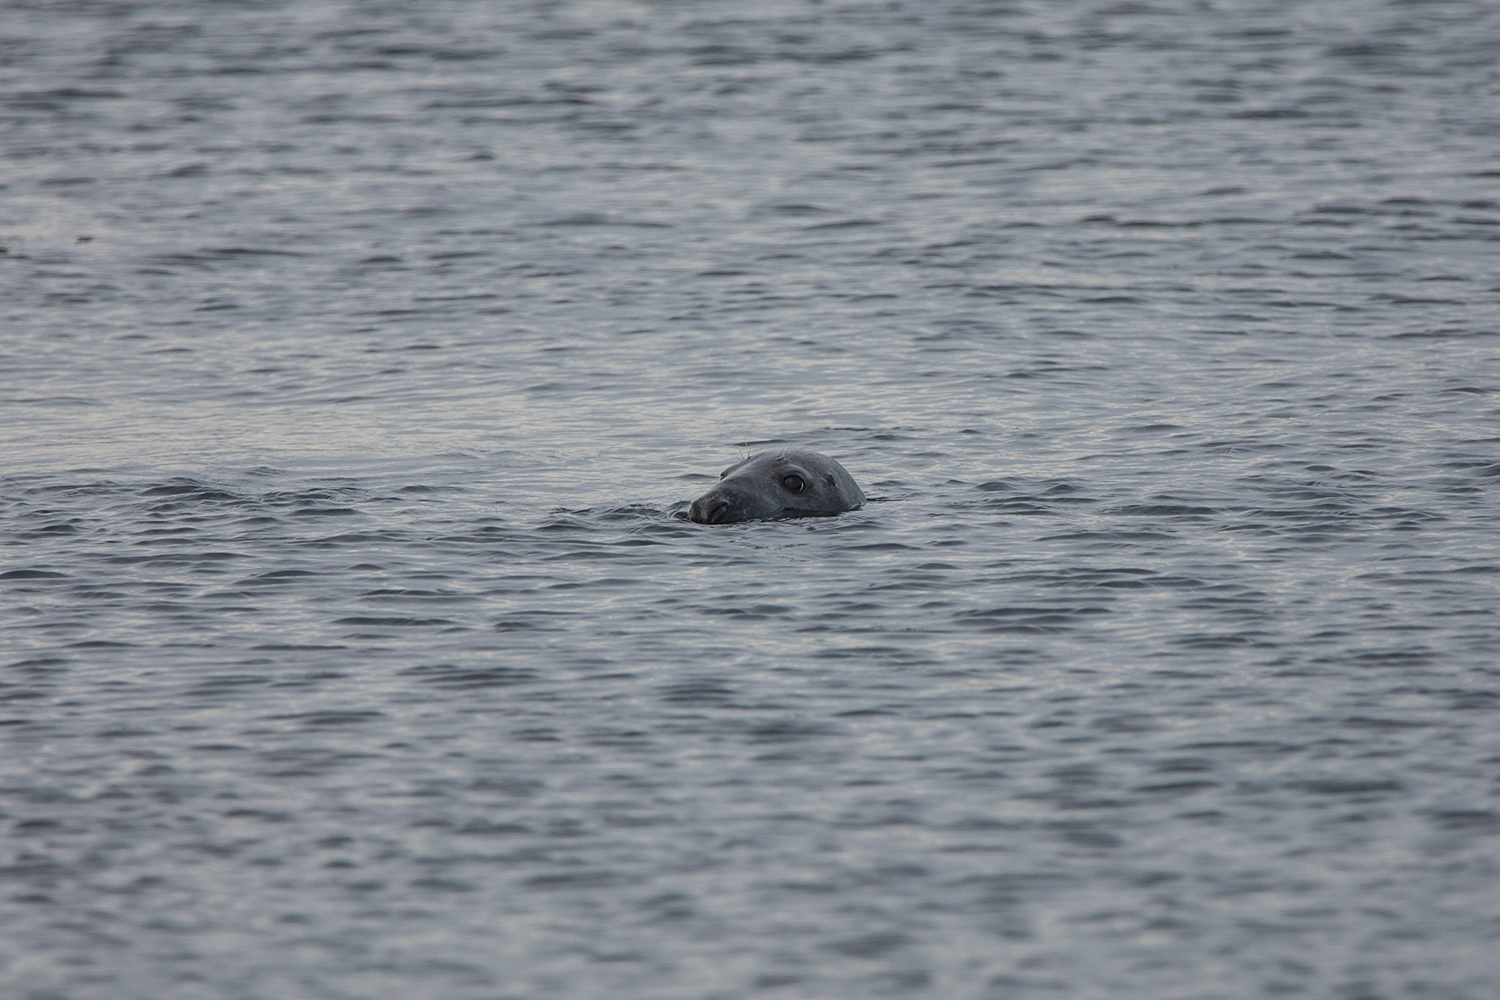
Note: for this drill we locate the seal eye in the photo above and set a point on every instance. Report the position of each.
(794, 483)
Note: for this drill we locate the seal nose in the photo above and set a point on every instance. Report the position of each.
(708, 510)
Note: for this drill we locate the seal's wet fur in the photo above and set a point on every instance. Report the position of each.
(772, 485)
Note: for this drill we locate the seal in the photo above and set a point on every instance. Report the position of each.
(778, 484)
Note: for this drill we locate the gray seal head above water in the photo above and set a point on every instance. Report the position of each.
(776, 484)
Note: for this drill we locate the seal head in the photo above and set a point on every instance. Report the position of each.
(778, 484)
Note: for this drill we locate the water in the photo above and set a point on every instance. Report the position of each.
(359, 363)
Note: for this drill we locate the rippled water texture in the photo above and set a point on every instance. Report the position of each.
(358, 364)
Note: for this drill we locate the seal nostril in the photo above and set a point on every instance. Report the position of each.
(709, 510)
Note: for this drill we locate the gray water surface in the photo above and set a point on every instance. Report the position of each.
(358, 363)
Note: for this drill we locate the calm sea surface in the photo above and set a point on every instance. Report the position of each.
(358, 362)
